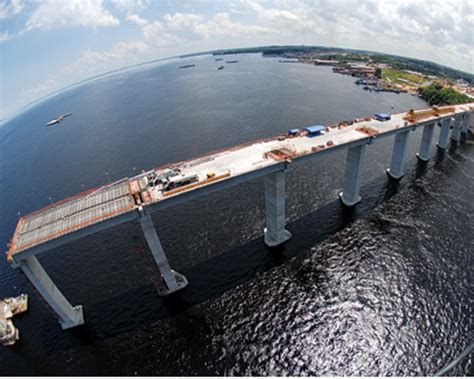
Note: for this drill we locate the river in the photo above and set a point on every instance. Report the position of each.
(385, 288)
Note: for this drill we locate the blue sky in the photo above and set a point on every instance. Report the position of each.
(47, 45)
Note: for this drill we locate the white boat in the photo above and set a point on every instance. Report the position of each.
(58, 119)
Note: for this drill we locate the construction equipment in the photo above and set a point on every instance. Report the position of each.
(280, 154)
(414, 116)
(368, 130)
(195, 184)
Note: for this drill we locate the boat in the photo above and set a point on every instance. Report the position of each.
(231, 61)
(10, 307)
(218, 59)
(220, 67)
(8, 333)
(58, 119)
(187, 66)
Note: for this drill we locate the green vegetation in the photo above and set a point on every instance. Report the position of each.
(436, 94)
(346, 57)
(393, 75)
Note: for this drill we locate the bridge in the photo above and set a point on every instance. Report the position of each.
(136, 198)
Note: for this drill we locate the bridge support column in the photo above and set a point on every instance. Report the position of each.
(466, 122)
(444, 134)
(173, 281)
(275, 232)
(426, 139)
(456, 133)
(354, 163)
(69, 316)
(398, 155)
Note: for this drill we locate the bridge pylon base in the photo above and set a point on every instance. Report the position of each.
(181, 283)
(272, 243)
(172, 280)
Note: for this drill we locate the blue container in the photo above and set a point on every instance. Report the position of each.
(314, 130)
(293, 132)
(382, 116)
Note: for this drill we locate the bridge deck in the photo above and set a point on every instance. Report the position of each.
(70, 215)
(95, 206)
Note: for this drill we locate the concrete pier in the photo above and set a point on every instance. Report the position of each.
(425, 145)
(466, 123)
(69, 316)
(398, 155)
(275, 233)
(443, 140)
(172, 279)
(354, 163)
(456, 133)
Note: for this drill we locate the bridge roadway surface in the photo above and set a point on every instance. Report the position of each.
(115, 203)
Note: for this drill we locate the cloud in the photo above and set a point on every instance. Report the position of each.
(94, 61)
(131, 6)
(182, 22)
(10, 8)
(184, 28)
(221, 25)
(294, 19)
(58, 13)
(137, 20)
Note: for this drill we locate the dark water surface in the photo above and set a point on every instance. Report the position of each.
(383, 289)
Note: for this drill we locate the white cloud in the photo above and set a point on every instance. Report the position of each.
(184, 28)
(10, 8)
(181, 22)
(137, 20)
(131, 6)
(96, 61)
(58, 13)
(155, 33)
(294, 19)
(222, 26)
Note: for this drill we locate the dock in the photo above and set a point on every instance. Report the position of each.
(137, 197)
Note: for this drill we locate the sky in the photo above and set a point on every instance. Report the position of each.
(49, 44)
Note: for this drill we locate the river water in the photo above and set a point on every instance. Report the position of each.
(385, 288)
